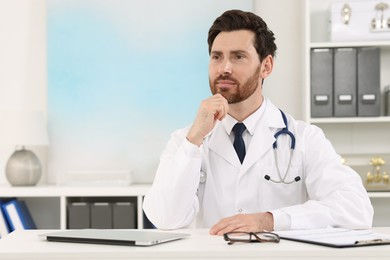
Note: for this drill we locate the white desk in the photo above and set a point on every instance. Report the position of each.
(27, 245)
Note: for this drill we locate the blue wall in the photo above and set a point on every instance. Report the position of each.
(122, 75)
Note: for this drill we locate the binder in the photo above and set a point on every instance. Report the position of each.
(321, 81)
(387, 100)
(345, 82)
(78, 215)
(101, 215)
(336, 237)
(18, 215)
(4, 227)
(368, 81)
(147, 223)
(124, 215)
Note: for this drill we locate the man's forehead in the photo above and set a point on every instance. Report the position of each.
(234, 41)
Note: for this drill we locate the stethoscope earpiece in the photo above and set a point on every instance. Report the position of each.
(268, 178)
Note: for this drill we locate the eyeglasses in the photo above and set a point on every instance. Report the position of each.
(250, 237)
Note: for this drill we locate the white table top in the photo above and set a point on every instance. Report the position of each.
(200, 245)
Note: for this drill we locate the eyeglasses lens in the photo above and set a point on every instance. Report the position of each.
(251, 237)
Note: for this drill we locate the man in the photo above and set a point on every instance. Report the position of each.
(214, 176)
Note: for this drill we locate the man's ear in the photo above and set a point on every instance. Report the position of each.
(266, 66)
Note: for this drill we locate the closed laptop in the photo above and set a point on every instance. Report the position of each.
(129, 237)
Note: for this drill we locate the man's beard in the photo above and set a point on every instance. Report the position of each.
(242, 92)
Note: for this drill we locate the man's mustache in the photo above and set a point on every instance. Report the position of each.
(225, 77)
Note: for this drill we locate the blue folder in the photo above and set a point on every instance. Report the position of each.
(4, 227)
(18, 215)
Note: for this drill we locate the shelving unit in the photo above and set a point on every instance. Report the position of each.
(48, 204)
(317, 35)
(357, 139)
(349, 135)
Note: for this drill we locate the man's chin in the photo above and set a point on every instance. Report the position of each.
(231, 99)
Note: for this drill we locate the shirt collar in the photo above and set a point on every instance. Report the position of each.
(250, 122)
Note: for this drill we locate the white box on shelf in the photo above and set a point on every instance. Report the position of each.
(360, 20)
(94, 178)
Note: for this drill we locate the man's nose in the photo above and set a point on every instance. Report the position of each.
(226, 67)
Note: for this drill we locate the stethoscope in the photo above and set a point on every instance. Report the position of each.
(285, 131)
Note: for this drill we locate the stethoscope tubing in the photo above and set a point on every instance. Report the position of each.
(203, 175)
(284, 131)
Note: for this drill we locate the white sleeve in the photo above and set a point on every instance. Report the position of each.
(172, 201)
(336, 194)
(281, 220)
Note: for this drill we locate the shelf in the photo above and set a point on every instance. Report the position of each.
(58, 196)
(381, 44)
(379, 194)
(357, 139)
(347, 120)
(56, 191)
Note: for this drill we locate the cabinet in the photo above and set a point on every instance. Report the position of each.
(357, 139)
(48, 203)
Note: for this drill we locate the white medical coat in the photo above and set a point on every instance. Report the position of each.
(328, 194)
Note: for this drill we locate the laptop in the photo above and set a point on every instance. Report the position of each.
(127, 237)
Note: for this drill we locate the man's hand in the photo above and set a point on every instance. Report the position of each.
(244, 222)
(211, 109)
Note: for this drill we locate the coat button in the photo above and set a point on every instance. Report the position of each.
(240, 210)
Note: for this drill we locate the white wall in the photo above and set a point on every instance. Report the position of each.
(23, 72)
(285, 86)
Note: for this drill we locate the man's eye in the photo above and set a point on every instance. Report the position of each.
(215, 57)
(239, 57)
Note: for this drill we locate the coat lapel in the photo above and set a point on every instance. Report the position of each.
(261, 142)
(263, 137)
(221, 144)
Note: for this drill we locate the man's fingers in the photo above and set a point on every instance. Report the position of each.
(244, 222)
(226, 225)
(222, 108)
(220, 112)
(211, 109)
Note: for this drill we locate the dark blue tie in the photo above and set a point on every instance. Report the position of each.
(239, 144)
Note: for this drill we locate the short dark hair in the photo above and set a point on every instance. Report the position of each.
(234, 20)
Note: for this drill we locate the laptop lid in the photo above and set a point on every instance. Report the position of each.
(114, 236)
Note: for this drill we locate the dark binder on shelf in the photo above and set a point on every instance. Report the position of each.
(101, 215)
(368, 81)
(345, 82)
(124, 215)
(387, 100)
(321, 81)
(147, 223)
(78, 215)
(18, 215)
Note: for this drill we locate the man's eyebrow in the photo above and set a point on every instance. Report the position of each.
(216, 52)
(230, 52)
(238, 51)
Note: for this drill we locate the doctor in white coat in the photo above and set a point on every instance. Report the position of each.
(201, 180)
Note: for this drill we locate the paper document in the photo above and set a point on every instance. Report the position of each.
(336, 237)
